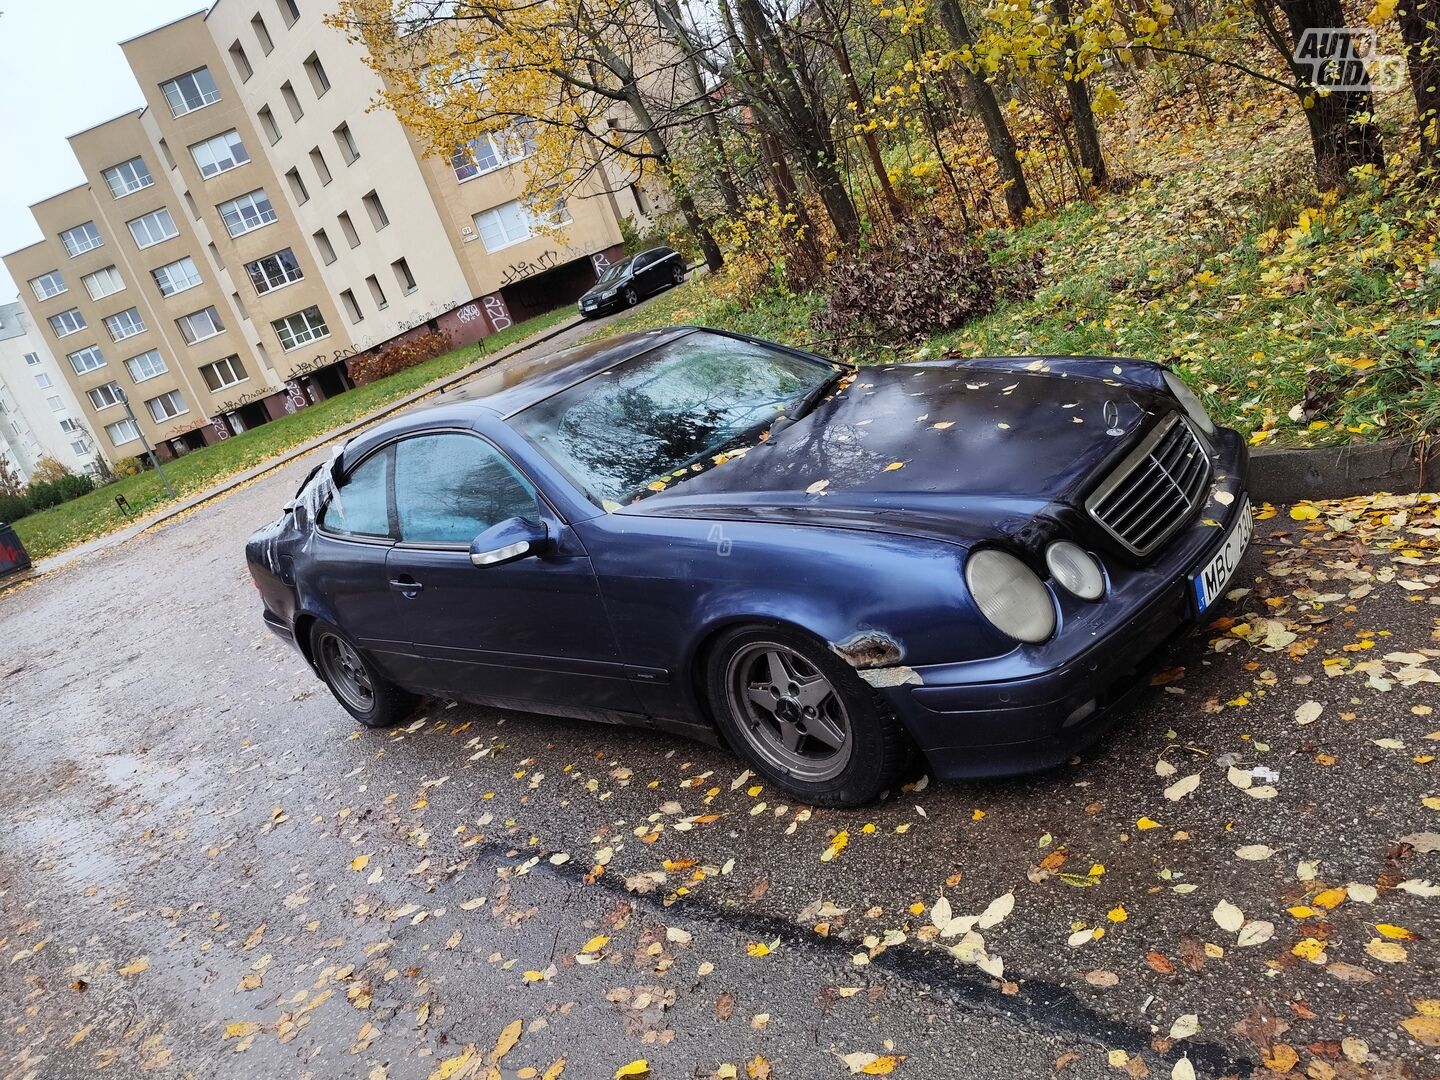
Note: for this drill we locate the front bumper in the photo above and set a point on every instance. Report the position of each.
(1037, 705)
(601, 307)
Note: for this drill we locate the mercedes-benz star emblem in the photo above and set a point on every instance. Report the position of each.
(1111, 413)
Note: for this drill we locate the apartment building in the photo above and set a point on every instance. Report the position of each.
(39, 416)
(241, 239)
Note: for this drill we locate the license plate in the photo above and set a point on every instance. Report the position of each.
(1214, 577)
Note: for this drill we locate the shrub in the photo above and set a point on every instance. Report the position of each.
(13, 508)
(924, 278)
(130, 466)
(43, 495)
(399, 355)
(73, 485)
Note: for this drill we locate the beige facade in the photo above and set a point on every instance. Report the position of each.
(259, 226)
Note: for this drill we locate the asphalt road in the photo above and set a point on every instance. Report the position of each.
(206, 869)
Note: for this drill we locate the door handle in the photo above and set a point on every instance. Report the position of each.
(407, 585)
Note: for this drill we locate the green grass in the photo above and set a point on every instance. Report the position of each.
(74, 522)
(1300, 320)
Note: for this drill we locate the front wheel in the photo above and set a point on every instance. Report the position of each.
(803, 719)
(356, 683)
(631, 296)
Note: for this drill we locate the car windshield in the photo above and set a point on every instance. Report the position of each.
(614, 272)
(620, 433)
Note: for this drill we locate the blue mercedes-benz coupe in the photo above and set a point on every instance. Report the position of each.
(828, 569)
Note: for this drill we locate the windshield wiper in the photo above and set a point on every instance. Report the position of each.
(810, 400)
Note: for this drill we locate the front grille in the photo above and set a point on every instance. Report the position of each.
(1155, 490)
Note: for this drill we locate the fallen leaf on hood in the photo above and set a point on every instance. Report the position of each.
(1182, 787)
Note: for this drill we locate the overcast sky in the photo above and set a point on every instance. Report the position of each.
(61, 70)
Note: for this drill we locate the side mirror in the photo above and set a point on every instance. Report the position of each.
(514, 538)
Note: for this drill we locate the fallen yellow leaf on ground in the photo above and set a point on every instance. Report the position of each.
(636, 1070)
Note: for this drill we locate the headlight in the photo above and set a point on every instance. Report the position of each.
(1010, 595)
(1075, 569)
(608, 293)
(1190, 403)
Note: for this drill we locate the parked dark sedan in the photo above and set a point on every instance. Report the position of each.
(828, 570)
(628, 281)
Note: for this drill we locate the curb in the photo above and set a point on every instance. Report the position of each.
(63, 558)
(1339, 472)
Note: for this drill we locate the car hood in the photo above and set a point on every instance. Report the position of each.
(596, 289)
(955, 450)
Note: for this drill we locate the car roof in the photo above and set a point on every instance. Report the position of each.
(515, 385)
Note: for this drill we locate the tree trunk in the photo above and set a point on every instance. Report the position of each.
(694, 220)
(1340, 140)
(1082, 116)
(1420, 28)
(997, 131)
(797, 123)
(862, 111)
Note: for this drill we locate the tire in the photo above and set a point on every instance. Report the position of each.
(679, 276)
(354, 680)
(631, 296)
(825, 736)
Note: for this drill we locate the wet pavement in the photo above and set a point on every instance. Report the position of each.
(206, 869)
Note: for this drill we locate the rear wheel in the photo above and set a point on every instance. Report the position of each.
(803, 719)
(679, 275)
(356, 683)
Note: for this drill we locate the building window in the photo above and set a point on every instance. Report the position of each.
(122, 432)
(67, 322)
(67, 424)
(219, 154)
(317, 162)
(127, 177)
(102, 397)
(268, 124)
(376, 208)
(43, 380)
(81, 238)
(348, 228)
(146, 366)
(403, 276)
(103, 283)
(48, 285)
(262, 35)
(352, 306)
(56, 405)
(87, 359)
(291, 101)
(288, 11)
(318, 79)
(167, 406)
(191, 91)
(223, 373)
(32, 359)
(241, 61)
(79, 447)
(300, 328)
(274, 271)
(297, 187)
(124, 324)
(493, 150)
(323, 245)
(346, 141)
(153, 228)
(176, 277)
(376, 293)
(200, 325)
(513, 222)
(249, 212)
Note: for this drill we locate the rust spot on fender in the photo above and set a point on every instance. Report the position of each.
(869, 649)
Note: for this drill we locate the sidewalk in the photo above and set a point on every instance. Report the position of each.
(199, 498)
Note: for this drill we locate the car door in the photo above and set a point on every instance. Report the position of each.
(529, 632)
(346, 576)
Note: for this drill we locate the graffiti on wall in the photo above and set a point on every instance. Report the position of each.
(519, 271)
(497, 312)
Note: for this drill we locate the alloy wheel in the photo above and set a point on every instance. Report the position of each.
(631, 297)
(346, 673)
(788, 711)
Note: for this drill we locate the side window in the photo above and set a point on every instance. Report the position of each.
(642, 261)
(450, 488)
(361, 507)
